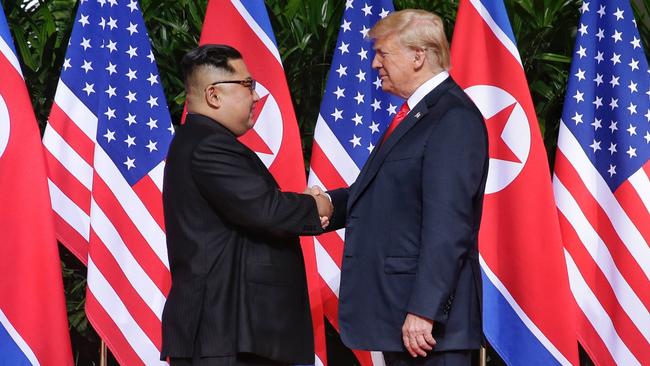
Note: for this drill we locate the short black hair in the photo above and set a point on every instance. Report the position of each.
(215, 55)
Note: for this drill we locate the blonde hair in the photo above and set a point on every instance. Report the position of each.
(416, 29)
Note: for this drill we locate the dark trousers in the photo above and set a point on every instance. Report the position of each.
(239, 360)
(447, 358)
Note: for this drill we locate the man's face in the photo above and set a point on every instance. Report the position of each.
(238, 100)
(394, 64)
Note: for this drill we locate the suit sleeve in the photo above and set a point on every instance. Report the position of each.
(244, 197)
(340, 202)
(453, 166)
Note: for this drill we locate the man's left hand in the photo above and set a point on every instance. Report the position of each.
(416, 335)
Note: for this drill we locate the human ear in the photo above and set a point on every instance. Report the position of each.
(212, 97)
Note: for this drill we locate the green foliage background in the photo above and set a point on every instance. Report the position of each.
(306, 31)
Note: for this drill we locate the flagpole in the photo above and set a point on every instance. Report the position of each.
(103, 354)
(483, 356)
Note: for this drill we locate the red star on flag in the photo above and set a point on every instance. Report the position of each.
(499, 149)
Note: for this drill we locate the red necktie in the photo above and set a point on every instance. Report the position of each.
(399, 117)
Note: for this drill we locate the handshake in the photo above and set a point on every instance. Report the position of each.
(323, 203)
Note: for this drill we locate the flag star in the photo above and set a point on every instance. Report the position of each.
(392, 109)
(595, 145)
(647, 137)
(618, 14)
(597, 124)
(131, 74)
(101, 3)
(577, 118)
(632, 87)
(648, 92)
(636, 43)
(110, 135)
(345, 26)
(66, 64)
(85, 43)
(601, 11)
(356, 141)
(377, 84)
(599, 79)
(112, 23)
(131, 97)
(599, 57)
(342, 70)
(112, 46)
(374, 127)
(614, 103)
(370, 147)
(632, 108)
(363, 54)
(348, 4)
(110, 113)
(376, 105)
(598, 102)
(383, 13)
(359, 98)
(340, 93)
(634, 65)
(367, 10)
(90, 88)
(87, 66)
(132, 28)
(337, 114)
(580, 74)
(631, 130)
(171, 129)
(583, 29)
(364, 31)
(358, 120)
(612, 170)
(579, 96)
(617, 36)
(152, 123)
(110, 91)
(111, 68)
(631, 152)
(153, 102)
(601, 34)
(612, 126)
(151, 57)
(616, 59)
(130, 140)
(614, 81)
(152, 146)
(344, 48)
(153, 79)
(130, 163)
(582, 52)
(612, 148)
(131, 119)
(132, 51)
(112, 2)
(361, 76)
(647, 115)
(83, 20)
(133, 5)
(585, 7)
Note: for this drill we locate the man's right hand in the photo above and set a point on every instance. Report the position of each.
(323, 203)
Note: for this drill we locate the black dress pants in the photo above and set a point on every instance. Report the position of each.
(242, 359)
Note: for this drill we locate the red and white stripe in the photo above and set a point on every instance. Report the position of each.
(116, 229)
(606, 238)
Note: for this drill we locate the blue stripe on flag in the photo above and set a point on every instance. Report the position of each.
(4, 30)
(497, 10)
(11, 353)
(257, 10)
(508, 334)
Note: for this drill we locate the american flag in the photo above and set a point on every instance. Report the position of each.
(601, 184)
(353, 116)
(107, 136)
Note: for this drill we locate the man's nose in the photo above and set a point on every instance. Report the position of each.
(375, 62)
(256, 96)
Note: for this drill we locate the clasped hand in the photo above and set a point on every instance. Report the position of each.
(323, 203)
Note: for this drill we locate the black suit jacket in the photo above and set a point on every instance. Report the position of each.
(238, 278)
(412, 219)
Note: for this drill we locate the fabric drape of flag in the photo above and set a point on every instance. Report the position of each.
(354, 114)
(602, 190)
(275, 137)
(527, 306)
(33, 323)
(107, 136)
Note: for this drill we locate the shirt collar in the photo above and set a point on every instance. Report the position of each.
(426, 88)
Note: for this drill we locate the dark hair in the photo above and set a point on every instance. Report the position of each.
(215, 55)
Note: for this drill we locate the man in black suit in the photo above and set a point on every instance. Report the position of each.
(410, 279)
(239, 293)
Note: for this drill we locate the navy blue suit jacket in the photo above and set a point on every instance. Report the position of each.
(412, 219)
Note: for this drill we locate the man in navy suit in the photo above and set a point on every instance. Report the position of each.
(410, 279)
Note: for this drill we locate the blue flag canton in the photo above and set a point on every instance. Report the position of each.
(607, 105)
(354, 106)
(110, 67)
